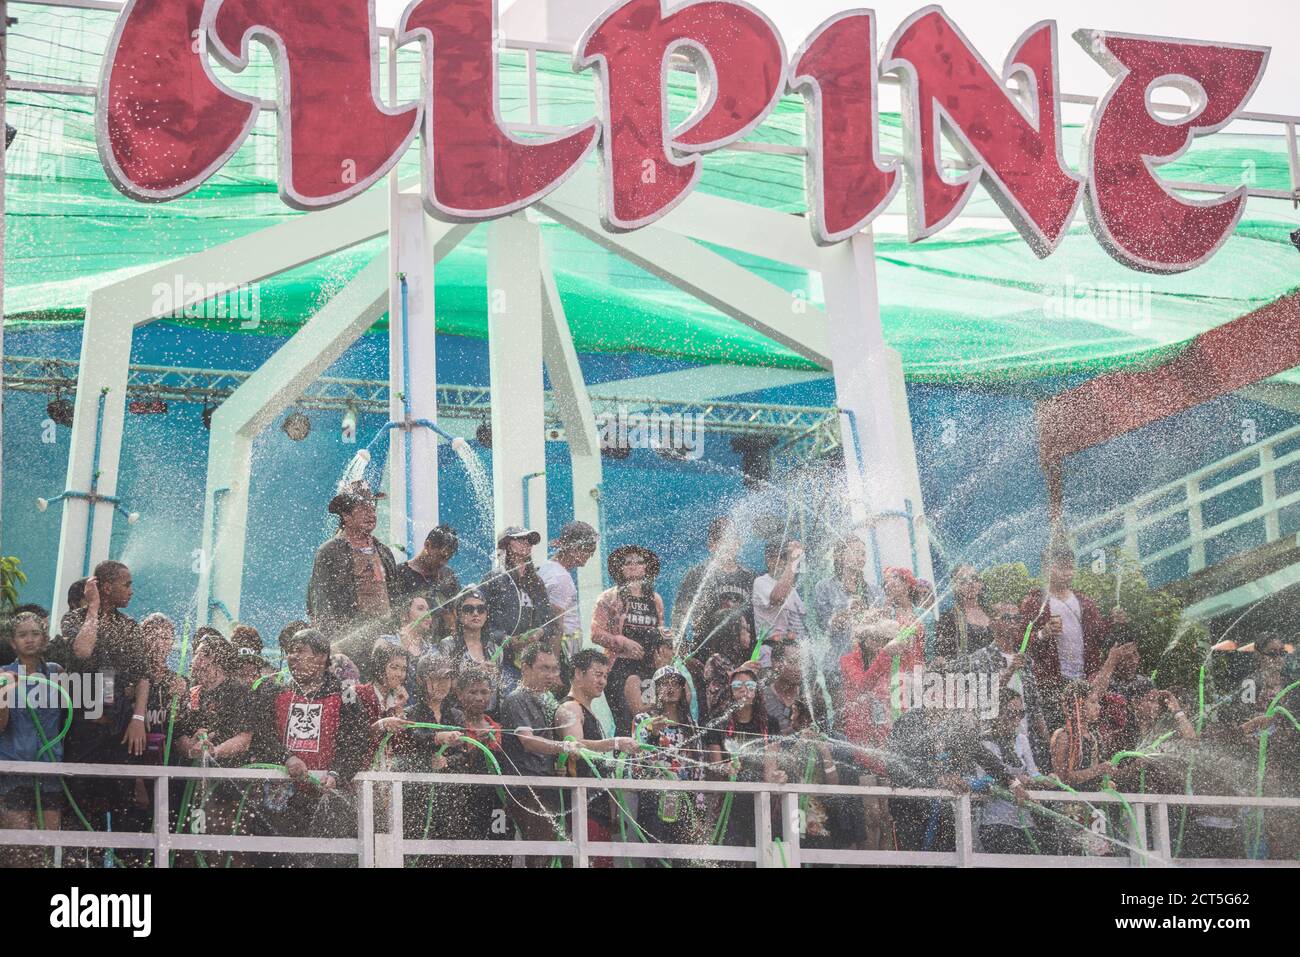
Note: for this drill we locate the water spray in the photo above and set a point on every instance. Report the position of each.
(357, 466)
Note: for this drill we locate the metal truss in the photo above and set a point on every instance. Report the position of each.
(813, 430)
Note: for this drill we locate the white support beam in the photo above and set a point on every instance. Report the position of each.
(733, 290)
(572, 402)
(114, 311)
(514, 294)
(410, 251)
(704, 383)
(868, 377)
(869, 384)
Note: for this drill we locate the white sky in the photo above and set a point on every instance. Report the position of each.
(994, 26)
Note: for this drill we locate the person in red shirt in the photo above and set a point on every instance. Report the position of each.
(865, 673)
(900, 588)
(319, 731)
(385, 699)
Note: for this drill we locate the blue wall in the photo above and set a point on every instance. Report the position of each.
(976, 449)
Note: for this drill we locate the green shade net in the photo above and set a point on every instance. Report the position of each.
(970, 303)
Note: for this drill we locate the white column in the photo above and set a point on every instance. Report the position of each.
(572, 402)
(225, 524)
(410, 251)
(105, 360)
(514, 294)
(868, 382)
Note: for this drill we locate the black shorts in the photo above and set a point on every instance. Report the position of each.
(619, 672)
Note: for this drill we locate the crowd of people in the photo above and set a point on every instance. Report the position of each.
(756, 676)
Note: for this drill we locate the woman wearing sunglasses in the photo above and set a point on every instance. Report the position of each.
(474, 644)
(739, 750)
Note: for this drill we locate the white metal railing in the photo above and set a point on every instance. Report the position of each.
(1193, 491)
(374, 847)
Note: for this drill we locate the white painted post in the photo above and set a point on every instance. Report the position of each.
(1293, 157)
(1130, 534)
(410, 251)
(1164, 847)
(1139, 854)
(580, 856)
(963, 831)
(790, 821)
(1268, 482)
(573, 403)
(514, 293)
(763, 829)
(396, 825)
(105, 358)
(161, 817)
(366, 823)
(1195, 527)
(868, 382)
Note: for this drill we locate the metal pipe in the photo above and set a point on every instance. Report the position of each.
(526, 479)
(911, 534)
(433, 427)
(94, 480)
(875, 556)
(406, 418)
(598, 493)
(857, 442)
(220, 605)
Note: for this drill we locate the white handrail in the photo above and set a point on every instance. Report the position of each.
(1217, 466)
(376, 847)
(1197, 488)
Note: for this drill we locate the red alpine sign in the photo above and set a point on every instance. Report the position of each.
(165, 123)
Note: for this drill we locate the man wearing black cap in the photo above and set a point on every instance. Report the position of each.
(429, 576)
(517, 602)
(247, 642)
(353, 588)
(573, 549)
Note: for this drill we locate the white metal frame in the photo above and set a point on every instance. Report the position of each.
(668, 250)
(375, 848)
(113, 313)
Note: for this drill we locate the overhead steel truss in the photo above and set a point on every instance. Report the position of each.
(791, 425)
